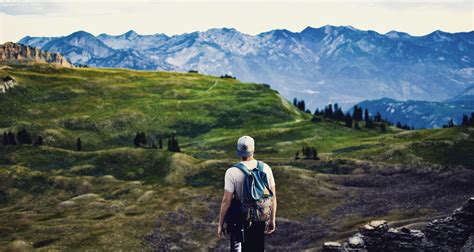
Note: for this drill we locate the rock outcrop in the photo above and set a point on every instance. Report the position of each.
(14, 52)
(453, 233)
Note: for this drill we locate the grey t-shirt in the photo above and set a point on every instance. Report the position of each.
(234, 177)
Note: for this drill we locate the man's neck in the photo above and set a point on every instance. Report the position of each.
(246, 158)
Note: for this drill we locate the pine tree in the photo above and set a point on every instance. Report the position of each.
(142, 139)
(297, 155)
(11, 138)
(295, 102)
(5, 138)
(451, 123)
(38, 141)
(399, 125)
(79, 144)
(357, 114)
(23, 137)
(136, 140)
(309, 153)
(315, 154)
(328, 111)
(465, 120)
(20, 136)
(383, 127)
(471, 121)
(348, 120)
(160, 143)
(316, 112)
(378, 117)
(339, 115)
(366, 116)
(301, 105)
(354, 113)
(176, 147)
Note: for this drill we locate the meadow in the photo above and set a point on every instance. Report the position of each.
(112, 195)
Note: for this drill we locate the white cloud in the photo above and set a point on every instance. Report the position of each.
(309, 91)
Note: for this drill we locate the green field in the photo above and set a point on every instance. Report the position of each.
(114, 196)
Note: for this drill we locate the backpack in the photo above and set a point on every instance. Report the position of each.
(255, 205)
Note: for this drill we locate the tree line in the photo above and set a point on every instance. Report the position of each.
(335, 112)
(466, 121)
(21, 137)
(154, 142)
(140, 140)
(307, 153)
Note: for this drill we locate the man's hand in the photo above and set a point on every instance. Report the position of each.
(271, 227)
(221, 232)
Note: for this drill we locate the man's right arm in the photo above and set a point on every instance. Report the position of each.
(226, 201)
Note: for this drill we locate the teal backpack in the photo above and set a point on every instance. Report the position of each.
(256, 205)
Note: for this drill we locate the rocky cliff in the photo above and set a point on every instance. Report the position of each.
(453, 233)
(14, 52)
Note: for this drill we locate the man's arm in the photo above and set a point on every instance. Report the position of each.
(225, 204)
(272, 223)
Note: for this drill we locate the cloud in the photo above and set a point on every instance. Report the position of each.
(23, 8)
(311, 92)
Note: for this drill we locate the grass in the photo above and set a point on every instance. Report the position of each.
(113, 196)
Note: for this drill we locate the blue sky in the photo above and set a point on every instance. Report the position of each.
(56, 18)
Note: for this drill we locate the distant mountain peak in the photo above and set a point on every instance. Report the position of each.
(131, 34)
(439, 36)
(80, 34)
(396, 34)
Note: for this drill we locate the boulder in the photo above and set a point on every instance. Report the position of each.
(452, 233)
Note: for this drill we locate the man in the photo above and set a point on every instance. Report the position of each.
(233, 187)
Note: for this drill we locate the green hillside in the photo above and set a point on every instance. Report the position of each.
(114, 196)
(107, 106)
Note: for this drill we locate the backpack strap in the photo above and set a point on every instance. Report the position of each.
(242, 167)
(260, 165)
(260, 168)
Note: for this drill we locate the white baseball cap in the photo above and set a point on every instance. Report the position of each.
(245, 146)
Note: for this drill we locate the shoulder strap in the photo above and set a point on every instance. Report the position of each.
(260, 165)
(242, 167)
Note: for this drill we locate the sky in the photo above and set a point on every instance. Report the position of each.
(59, 18)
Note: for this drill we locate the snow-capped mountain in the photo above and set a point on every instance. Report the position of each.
(320, 65)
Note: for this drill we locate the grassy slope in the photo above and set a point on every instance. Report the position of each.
(105, 107)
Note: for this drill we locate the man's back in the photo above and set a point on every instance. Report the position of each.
(234, 177)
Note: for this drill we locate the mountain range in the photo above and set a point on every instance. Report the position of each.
(320, 65)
